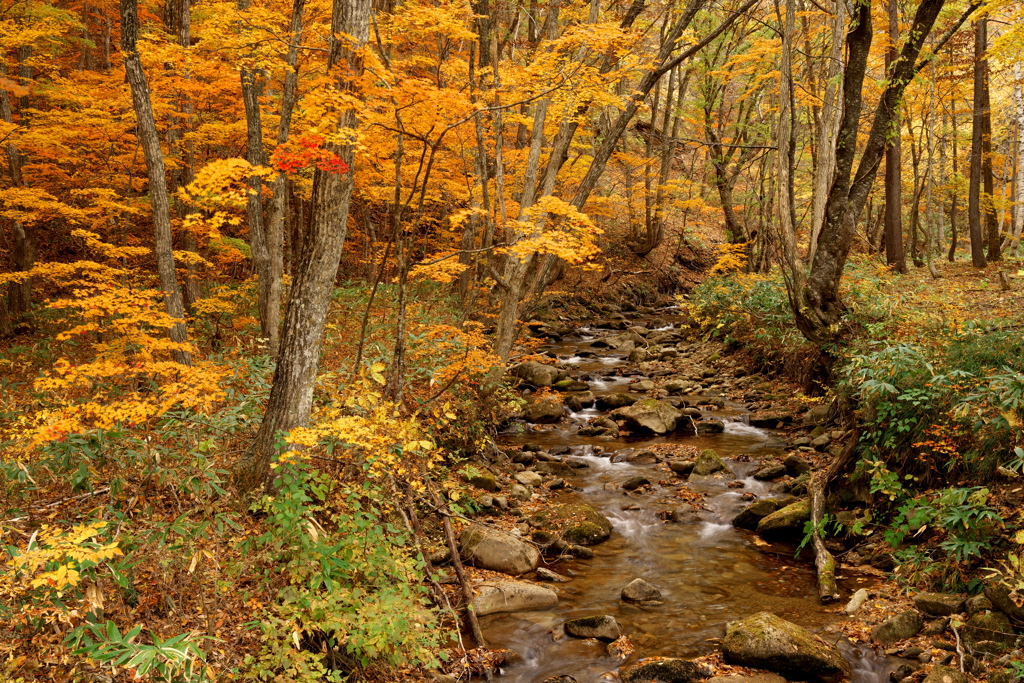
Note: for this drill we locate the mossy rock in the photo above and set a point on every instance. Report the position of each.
(485, 481)
(786, 523)
(576, 524)
(708, 462)
(766, 641)
(664, 671)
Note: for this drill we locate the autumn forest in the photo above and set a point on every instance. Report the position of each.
(320, 322)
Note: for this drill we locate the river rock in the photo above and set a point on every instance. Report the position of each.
(939, 604)
(765, 641)
(498, 551)
(713, 426)
(601, 627)
(570, 384)
(556, 468)
(578, 401)
(763, 677)
(770, 419)
(682, 467)
(749, 516)
(512, 596)
(544, 574)
(991, 626)
(677, 386)
(708, 462)
(769, 472)
(643, 458)
(664, 671)
(574, 523)
(528, 478)
(543, 411)
(524, 458)
(1002, 600)
(902, 626)
(977, 603)
(944, 674)
(519, 492)
(485, 481)
(639, 590)
(613, 401)
(795, 465)
(564, 678)
(787, 522)
(633, 483)
(648, 415)
(538, 374)
(857, 601)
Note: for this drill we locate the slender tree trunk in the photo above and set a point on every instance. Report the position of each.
(178, 18)
(784, 156)
(894, 253)
(150, 141)
(974, 198)
(316, 267)
(275, 226)
(831, 115)
(1018, 207)
(985, 107)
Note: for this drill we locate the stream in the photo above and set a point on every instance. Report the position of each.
(708, 571)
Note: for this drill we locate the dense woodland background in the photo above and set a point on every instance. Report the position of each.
(257, 247)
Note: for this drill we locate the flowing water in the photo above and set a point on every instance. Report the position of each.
(708, 571)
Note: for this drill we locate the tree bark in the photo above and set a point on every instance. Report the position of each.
(819, 309)
(150, 141)
(316, 267)
(974, 198)
(895, 256)
(985, 107)
(831, 115)
(1018, 208)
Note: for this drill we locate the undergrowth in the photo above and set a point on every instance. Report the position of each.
(129, 555)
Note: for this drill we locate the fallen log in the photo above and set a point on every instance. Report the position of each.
(825, 562)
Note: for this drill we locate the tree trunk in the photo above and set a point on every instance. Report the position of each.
(895, 257)
(831, 115)
(178, 19)
(150, 141)
(1018, 207)
(819, 308)
(985, 110)
(784, 156)
(316, 266)
(974, 199)
(275, 227)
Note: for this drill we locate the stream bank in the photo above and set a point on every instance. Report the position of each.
(668, 440)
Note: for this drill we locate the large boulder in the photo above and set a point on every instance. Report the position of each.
(991, 626)
(900, 627)
(512, 596)
(1002, 600)
(538, 374)
(939, 604)
(765, 641)
(602, 627)
(544, 411)
(579, 401)
(664, 671)
(787, 523)
(649, 415)
(574, 523)
(498, 551)
(708, 462)
(749, 516)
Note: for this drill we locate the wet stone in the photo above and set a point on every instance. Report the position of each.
(633, 483)
(902, 626)
(639, 590)
(601, 627)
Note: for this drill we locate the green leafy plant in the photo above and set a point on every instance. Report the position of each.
(176, 660)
